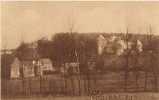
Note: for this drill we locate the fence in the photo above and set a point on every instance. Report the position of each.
(77, 84)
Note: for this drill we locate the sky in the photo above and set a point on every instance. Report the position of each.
(29, 21)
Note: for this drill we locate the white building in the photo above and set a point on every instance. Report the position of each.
(139, 46)
(15, 68)
(28, 68)
(101, 43)
(122, 46)
(116, 45)
(45, 64)
(71, 65)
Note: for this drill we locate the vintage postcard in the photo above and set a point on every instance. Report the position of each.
(79, 50)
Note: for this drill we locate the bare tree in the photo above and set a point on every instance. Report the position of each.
(151, 53)
(127, 37)
(21, 68)
(136, 56)
(72, 34)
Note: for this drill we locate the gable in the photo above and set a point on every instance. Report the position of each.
(15, 63)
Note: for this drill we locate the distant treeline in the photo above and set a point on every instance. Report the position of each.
(64, 47)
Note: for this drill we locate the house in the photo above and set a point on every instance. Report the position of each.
(110, 45)
(29, 61)
(71, 68)
(28, 68)
(33, 68)
(116, 45)
(30, 64)
(45, 65)
(15, 68)
(22, 69)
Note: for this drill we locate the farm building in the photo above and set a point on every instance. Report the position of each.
(28, 68)
(116, 45)
(70, 67)
(32, 68)
(45, 66)
(15, 68)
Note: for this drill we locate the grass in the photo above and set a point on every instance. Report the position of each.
(108, 96)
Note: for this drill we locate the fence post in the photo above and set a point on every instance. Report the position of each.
(79, 83)
(40, 84)
(146, 74)
(30, 87)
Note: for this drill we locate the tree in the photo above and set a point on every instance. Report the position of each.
(64, 47)
(151, 51)
(127, 55)
(21, 51)
(45, 48)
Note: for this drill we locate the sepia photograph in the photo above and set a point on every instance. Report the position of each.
(79, 50)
